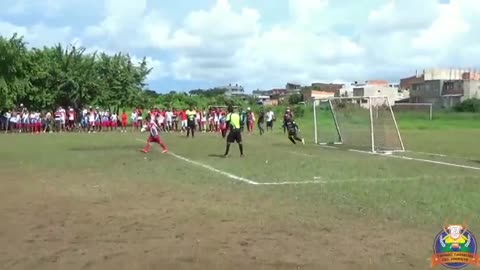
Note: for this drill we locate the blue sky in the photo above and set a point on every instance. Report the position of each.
(259, 44)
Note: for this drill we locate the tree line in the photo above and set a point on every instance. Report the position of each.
(44, 78)
(51, 76)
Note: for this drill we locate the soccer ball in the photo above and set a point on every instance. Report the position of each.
(144, 128)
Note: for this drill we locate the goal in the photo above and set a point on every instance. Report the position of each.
(414, 110)
(362, 123)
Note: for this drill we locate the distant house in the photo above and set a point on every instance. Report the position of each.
(270, 97)
(327, 87)
(293, 87)
(278, 92)
(269, 102)
(376, 88)
(317, 94)
(233, 90)
(445, 87)
(445, 93)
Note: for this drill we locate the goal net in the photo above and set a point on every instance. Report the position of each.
(363, 123)
(413, 110)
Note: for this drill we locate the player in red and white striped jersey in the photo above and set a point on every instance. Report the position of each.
(154, 137)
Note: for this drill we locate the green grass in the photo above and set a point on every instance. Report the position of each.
(272, 158)
(355, 186)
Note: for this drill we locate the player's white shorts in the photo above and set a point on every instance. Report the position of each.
(184, 123)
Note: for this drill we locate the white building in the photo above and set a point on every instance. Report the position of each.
(233, 90)
(376, 89)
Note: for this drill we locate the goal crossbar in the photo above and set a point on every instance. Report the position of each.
(428, 105)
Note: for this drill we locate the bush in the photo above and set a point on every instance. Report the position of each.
(469, 105)
(299, 110)
(295, 99)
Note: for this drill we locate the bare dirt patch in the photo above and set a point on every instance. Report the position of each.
(150, 226)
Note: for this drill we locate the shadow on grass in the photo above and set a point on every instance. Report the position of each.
(216, 155)
(286, 144)
(475, 161)
(94, 148)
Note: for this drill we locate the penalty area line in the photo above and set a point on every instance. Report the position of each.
(426, 153)
(210, 168)
(419, 159)
(291, 183)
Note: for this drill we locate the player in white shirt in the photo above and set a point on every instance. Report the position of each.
(134, 118)
(169, 119)
(113, 121)
(25, 122)
(32, 122)
(270, 118)
(203, 121)
(216, 120)
(91, 120)
(161, 121)
(63, 118)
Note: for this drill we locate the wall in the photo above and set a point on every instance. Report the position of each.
(472, 75)
(444, 74)
(427, 92)
(346, 91)
(450, 101)
(270, 102)
(376, 91)
(453, 88)
(427, 89)
(307, 95)
(406, 83)
(471, 89)
(377, 82)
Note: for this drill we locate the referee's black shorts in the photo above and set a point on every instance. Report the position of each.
(235, 135)
(191, 124)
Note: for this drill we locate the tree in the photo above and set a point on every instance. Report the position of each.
(44, 78)
(295, 99)
(13, 72)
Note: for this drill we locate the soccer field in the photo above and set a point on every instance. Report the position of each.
(93, 201)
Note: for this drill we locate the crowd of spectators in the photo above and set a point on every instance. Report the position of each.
(95, 119)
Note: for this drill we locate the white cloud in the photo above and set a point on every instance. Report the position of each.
(238, 49)
(227, 43)
(47, 7)
(38, 35)
(306, 11)
(159, 68)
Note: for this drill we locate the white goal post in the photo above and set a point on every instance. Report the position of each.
(417, 109)
(364, 123)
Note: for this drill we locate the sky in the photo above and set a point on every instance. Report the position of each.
(260, 44)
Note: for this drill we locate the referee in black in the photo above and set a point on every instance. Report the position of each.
(235, 134)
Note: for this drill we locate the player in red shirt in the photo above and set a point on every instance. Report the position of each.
(154, 137)
(183, 118)
(124, 121)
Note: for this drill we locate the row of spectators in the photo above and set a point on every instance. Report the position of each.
(93, 120)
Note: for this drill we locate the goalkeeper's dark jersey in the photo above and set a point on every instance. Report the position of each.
(291, 126)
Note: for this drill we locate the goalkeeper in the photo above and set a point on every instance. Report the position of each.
(293, 130)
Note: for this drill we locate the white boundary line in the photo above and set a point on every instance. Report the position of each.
(292, 183)
(393, 179)
(316, 178)
(356, 180)
(210, 168)
(426, 153)
(419, 159)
